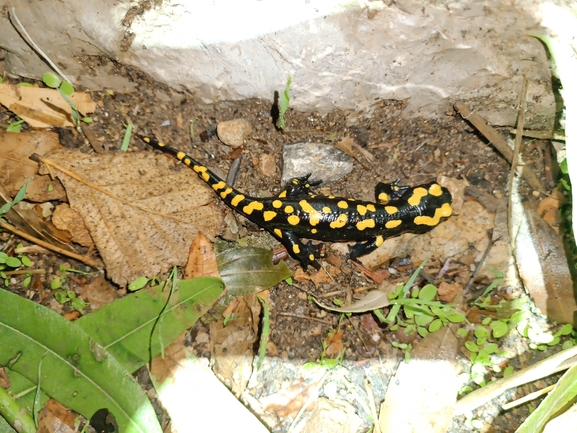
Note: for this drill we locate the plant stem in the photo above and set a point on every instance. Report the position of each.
(14, 414)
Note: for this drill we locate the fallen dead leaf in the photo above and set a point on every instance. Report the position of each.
(232, 346)
(141, 211)
(372, 301)
(99, 292)
(16, 167)
(66, 218)
(348, 146)
(334, 344)
(54, 417)
(548, 209)
(201, 259)
(42, 107)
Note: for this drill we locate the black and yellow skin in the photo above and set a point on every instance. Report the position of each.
(297, 212)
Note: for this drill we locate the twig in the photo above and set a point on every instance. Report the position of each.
(28, 39)
(500, 144)
(528, 397)
(301, 316)
(479, 264)
(47, 245)
(24, 271)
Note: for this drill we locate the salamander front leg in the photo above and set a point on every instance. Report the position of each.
(361, 248)
(386, 192)
(307, 253)
(298, 186)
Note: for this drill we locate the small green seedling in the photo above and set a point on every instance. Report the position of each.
(62, 292)
(15, 126)
(283, 105)
(126, 138)
(66, 89)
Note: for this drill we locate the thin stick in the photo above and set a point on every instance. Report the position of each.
(500, 144)
(528, 397)
(28, 39)
(301, 316)
(48, 246)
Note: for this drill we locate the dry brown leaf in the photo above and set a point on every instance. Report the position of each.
(42, 107)
(146, 212)
(33, 224)
(16, 167)
(66, 218)
(348, 146)
(99, 292)
(543, 268)
(201, 259)
(232, 346)
(54, 417)
(548, 209)
(372, 301)
(334, 344)
(164, 366)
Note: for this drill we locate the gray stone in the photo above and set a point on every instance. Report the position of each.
(323, 161)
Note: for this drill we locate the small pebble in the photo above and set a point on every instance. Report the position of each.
(234, 132)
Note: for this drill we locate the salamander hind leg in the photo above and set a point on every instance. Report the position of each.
(306, 253)
(362, 248)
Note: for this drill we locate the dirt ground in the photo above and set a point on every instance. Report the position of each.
(415, 150)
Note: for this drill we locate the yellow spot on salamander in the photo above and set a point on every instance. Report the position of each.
(362, 209)
(276, 204)
(268, 215)
(146, 139)
(278, 232)
(187, 161)
(391, 209)
(326, 209)
(289, 209)
(313, 231)
(371, 207)
(161, 144)
(435, 190)
(441, 212)
(343, 204)
(418, 194)
(180, 155)
(219, 185)
(384, 198)
(339, 222)
(315, 215)
(393, 223)
(236, 200)
(202, 170)
(368, 223)
(312, 257)
(293, 220)
(379, 241)
(282, 194)
(295, 182)
(296, 249)
(331, 196)
(225, 192)
(253, 205)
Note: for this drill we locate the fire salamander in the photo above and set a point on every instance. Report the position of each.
(297, 211)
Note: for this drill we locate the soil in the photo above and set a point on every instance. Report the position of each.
(415, 150)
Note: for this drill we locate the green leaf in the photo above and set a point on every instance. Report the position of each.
(481, 332)
(13, 262)
(25, 84)
(126, 138)
(249, 270)
(140, 325)
(283, 104)
(435, 325)
(138, 284)
(423, 319)
(422, 331)
(428, 293)
(560, 397)
(565, 330)
(25, 261)
(563, 167)
(15, 126)
(462, 332)
(499, 328)
(51, 80)
(61, 297)
(471, 347)
(69, 372)
(17, 199)
(455, 317)
(87, 119)
(67, 88)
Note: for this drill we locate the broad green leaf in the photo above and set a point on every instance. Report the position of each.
(51, 80)
(138, 284)
(561, 397)
(428, 292)
(67, 88)
(423, 319)
(435, 325)
(499, 328)
(15, 126)
(69, 372)
(140, 325)
(249, 270)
